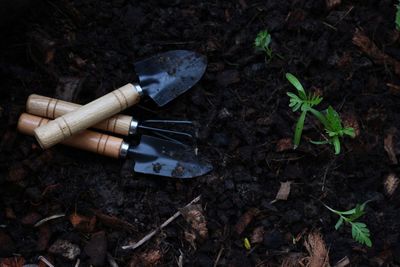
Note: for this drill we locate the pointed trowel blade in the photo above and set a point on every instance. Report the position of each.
(157, 156)
(165, 76)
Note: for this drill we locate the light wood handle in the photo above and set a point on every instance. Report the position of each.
(86, 116)
(102, 144)
(53, 108)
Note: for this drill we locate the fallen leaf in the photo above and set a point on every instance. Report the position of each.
(284, 144)
(332, 3)
(83, 223)
(367, 46)
(350, 120)
(114, 222)
(149, 258)
(292, 260)
(44, 237)
(318, 253)
(258, 235)
(284, 191)
(390, 184)
(12, 262)
(393, 88)
(194, 215)
(389, 145)
(245, 220)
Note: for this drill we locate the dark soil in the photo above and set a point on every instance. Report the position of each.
(242, 107)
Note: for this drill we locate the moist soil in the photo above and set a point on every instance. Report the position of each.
(80, 50)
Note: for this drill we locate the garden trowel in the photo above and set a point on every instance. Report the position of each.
(162, 77)
(151, 155)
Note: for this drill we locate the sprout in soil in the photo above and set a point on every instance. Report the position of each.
(359, 230)
(262, 43)
(303, 102)
(329, 118)
(397, 21)
(334, 129)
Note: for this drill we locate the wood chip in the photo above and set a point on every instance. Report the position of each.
(245, 220)
(318, 253)
(390, 184)
(389, 145)
(284, 191)
(146, 259)
(367, 46)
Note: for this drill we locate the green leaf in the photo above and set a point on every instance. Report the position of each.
(336, 144)
(339, 223)
(360, 233)
(349, 131)
(397, 21)
(295, 82)
(299, 128)
(246, 244)
(319, 142)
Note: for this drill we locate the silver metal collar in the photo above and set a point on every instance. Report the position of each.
(133, 127)
(124, 150)
(138, 89)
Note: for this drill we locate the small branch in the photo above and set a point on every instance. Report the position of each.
(152, 233)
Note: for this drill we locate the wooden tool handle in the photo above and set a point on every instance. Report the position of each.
(53, 108)
(86, 116)
(102, 144)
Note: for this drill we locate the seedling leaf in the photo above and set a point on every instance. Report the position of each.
(296, 83)
(299, 128)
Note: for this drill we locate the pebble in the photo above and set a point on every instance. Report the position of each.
(65, 249)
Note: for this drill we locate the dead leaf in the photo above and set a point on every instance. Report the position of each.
(191, 238)
(292, 260)
(394, 89)
(245, 220)
(389, 145)
(284, 144)
(367, 46)
(10, 214)
(390, 184)
(83, 223)
(114, 222)
(350, 120)
(12, 262)
(258, 235)
(332, 3)
(194, 215)
(31, 218)
(343, 262)
(44, 237)
(318, 254)
(149, 258)
(284, 191)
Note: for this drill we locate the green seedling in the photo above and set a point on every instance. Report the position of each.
(246, 243)
(359, 230)
(303, 102)
(263, 42)
(334, 129)
(397, 21)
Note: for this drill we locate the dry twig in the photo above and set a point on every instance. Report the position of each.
(152, 233)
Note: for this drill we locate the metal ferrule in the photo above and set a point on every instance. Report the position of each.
(124, 150)
(138, 89)
(133, 127)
